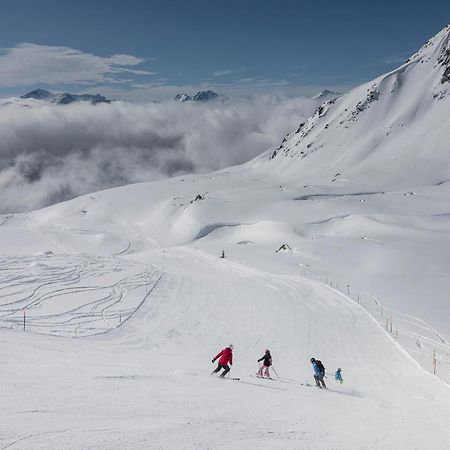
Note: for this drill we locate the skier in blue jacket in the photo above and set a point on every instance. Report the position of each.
(319, 372)
(338, 376)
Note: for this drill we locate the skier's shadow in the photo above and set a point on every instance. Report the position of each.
(347, 393)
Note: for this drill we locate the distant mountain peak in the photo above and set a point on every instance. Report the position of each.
(200, 96)
(182, 98)
(206, 96)
(39, 94)
(326, 95)
(65, 98)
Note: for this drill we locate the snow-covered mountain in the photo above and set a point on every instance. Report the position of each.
(392, 130)
(200, 96)
(183, 98)
(65, 98)
(336, 245)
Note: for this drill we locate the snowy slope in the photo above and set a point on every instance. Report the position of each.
(391, 131)
(146, 383)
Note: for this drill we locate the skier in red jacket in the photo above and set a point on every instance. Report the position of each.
(226, 356)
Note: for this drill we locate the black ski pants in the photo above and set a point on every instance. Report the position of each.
(225, 368)
(319, 379)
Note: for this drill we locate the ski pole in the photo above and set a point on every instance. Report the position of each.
(275, 372)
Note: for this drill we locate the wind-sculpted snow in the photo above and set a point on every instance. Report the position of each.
(71, 295)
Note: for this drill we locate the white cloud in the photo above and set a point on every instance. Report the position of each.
(222, 73)
(51, 153)
(226, 72)
(28, 64)
(395, 60)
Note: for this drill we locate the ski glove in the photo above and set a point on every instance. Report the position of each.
(213, 361)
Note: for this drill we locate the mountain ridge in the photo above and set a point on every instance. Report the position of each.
(64, 98)
(199, 97)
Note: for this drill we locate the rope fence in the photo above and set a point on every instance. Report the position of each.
(420, 339)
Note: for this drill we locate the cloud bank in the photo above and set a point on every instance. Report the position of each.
(28, 64)
(51, 153)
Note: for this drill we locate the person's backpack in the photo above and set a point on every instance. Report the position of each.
(320, 366)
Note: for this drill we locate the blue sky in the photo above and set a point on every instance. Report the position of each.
(140, 50)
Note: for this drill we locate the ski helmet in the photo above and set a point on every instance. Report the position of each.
(312, 360)
(267, 350)
(339, 369)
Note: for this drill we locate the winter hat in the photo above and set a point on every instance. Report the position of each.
(231, 346)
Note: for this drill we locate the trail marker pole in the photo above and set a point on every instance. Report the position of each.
(434, 362)
(348, 290)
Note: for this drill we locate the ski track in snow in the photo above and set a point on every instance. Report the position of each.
(71, 295)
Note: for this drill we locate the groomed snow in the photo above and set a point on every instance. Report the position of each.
(147, 385)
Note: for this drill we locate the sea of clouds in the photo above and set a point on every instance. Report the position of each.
(51, 153)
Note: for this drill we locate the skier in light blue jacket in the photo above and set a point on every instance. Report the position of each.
(338, 376)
